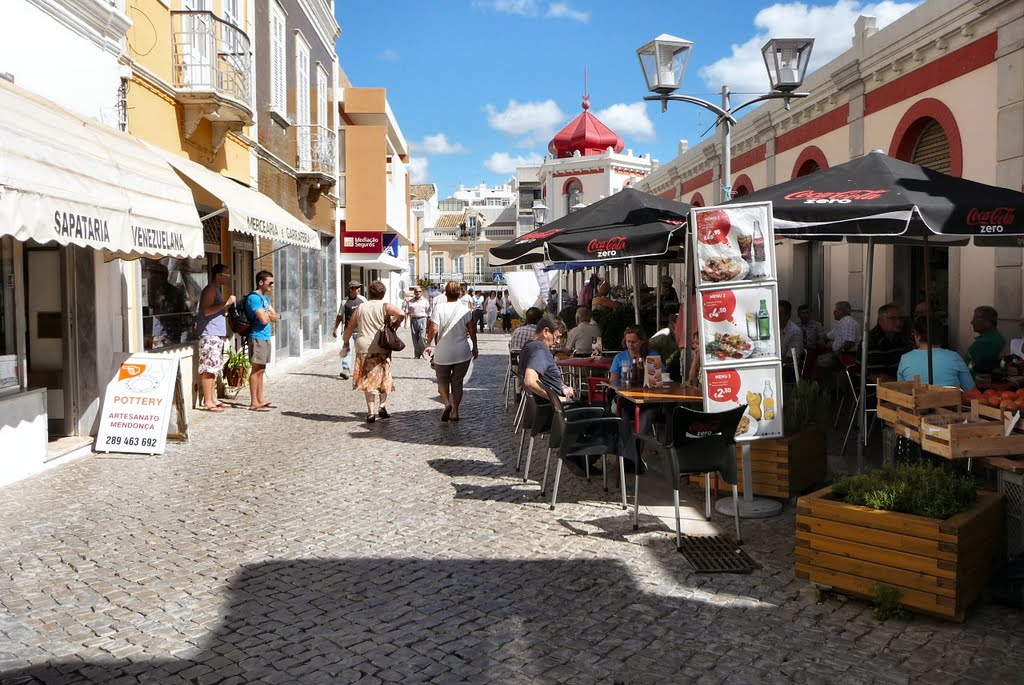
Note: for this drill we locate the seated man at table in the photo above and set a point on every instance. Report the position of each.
(983, 354)
(538, 364)
(947, 367)
(887, 344)
(526, 331)
(581, 338)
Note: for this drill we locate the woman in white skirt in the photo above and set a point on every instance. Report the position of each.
(491, 310)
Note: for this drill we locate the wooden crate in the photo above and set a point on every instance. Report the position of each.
(901, 405)
(940, 567)
(980, 433)
(782, 467)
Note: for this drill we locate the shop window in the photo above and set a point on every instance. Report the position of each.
(9, 381)
(170, 296)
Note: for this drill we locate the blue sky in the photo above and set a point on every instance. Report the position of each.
(481, 86)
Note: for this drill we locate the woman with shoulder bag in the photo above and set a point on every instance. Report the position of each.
(452, 326)
(372, 373)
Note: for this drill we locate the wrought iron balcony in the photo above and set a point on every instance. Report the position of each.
(212, 72)
(317, 157)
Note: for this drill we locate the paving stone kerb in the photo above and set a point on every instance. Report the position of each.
(303, 545)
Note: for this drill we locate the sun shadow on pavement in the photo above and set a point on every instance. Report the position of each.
(413, 620)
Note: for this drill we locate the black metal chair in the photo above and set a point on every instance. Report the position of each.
(579, 435)
(536, 420)
(510, 375)
(697, 442)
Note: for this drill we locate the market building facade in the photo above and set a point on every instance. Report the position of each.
(940, 87)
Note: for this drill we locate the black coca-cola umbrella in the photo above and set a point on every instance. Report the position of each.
(877, 196)
(881, 199)
(627, 225)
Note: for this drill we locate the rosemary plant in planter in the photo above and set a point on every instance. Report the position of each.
(917, 528)
(236, 367)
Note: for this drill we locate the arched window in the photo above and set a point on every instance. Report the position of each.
(928, 135)
(697, 200)
(744, 186)
(573, 193)
(810, 160)
(932, 148)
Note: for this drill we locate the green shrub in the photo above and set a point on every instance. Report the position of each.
(805, 405)
(887, 602)
(920, 489)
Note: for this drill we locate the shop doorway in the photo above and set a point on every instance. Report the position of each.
(809, 278)
(909, 283)
(49, 356)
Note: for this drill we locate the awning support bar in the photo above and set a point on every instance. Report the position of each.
(213, 214)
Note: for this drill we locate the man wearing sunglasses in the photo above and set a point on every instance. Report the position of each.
(262, 314)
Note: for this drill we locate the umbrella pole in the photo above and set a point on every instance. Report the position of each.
(928, 303)
(636, 290)
(684, 344)
(862, 414)
(657, 298)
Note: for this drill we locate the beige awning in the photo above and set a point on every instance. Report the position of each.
(249, 212)
(67, 179)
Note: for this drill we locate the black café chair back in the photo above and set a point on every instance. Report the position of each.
(510, 375)
(535, 420)
(582, 434)
(697, 442)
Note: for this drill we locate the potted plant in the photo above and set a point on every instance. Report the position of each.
(787, 466)
(924, 532)
(236, 367)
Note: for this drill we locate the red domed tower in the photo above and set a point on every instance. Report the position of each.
(585, 134)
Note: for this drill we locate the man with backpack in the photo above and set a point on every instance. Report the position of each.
(212, 329)
(262, 314)
(344, 314)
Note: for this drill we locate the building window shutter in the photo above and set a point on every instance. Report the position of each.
(321, 97)
(278, 75)
(302, 118)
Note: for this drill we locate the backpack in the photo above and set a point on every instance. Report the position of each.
(238, 320)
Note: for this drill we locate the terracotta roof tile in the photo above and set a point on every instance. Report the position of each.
(422, 191)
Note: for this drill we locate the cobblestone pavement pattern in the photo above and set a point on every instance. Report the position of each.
(307, 546)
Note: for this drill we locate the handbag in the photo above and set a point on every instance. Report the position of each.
(387, 338)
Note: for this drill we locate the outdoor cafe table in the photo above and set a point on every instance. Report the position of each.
(578, 364)
(672, 393)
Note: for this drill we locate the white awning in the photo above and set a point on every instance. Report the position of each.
(68, 179)
(249, 212)
(381, 261)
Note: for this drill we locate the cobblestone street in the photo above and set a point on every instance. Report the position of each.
(305, 545)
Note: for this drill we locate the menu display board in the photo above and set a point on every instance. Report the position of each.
(738, 299)
(758, 387)
(734, 244)
(739, 323)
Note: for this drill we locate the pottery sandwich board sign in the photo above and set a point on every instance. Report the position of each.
(139, 404)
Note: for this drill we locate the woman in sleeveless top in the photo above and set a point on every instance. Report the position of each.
(452, 327)
(372, 373)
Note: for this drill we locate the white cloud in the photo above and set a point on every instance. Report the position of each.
(831, 27)
(438, 144)
(525, 8)
(561, 10)
(504, 163)
(418, 169)
(532, 122)
(389, 55)
(628, 120)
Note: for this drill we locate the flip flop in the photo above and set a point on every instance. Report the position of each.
(258, 409)
(269, 405)
(221, 405)
(446, 414)
(215, 409)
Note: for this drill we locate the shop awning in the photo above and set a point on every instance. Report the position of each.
(381, 261)
(249, 212)
(67, 179)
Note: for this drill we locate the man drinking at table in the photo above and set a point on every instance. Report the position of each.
(539, 368)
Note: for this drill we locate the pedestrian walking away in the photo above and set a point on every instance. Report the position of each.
(212, 328)
(418, 309)
(453, 326)
(344, 315)
(372, 372)
(262, 314)
(506, 312)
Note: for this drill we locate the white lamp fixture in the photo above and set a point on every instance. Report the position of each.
(540, 212)
(786, 60)
(663, 62)
(576, 207)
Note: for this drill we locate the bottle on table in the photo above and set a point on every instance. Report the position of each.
(637, 373)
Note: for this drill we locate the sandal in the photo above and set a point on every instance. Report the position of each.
(446, 414)
(370, 418)
(215, 408)
(383, 413)
(258, 409)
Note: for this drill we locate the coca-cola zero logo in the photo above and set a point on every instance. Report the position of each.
(813, 197)
(607, 248)
(993, 220)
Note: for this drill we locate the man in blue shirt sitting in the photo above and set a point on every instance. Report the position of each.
(538, 364)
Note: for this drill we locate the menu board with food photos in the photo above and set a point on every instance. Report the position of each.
(738, 299)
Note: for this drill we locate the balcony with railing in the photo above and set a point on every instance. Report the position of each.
(487, 234)
(212, 73)
(317, 158)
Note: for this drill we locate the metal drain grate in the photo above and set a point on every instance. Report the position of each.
(716, 554)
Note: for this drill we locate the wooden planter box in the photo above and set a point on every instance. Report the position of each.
(980, 433)
(782, 467)
(941, 567)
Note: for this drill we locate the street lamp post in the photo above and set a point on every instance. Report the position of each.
(663, 61)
